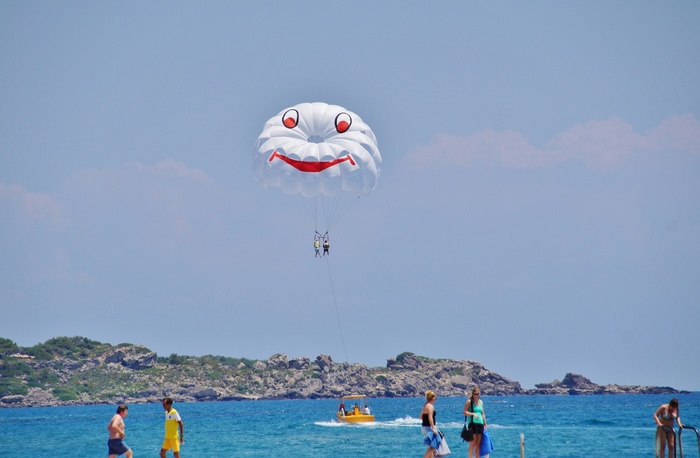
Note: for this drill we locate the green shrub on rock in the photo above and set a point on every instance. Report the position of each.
(65, 394)
(12, 386)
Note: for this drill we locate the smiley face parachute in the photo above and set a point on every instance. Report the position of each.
(324, 153)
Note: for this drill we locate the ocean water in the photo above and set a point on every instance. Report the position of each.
(554, 426)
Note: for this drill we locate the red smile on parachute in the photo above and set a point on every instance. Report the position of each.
(307, 166)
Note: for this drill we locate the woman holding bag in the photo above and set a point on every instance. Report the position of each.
(427, 415)
(474, 408)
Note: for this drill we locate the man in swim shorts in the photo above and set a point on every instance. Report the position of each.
(116, 427)
(173, 422)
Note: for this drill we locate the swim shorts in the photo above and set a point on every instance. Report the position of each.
(171, 443)
(117, 447)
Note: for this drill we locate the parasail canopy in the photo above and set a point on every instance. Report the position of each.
(317, 150)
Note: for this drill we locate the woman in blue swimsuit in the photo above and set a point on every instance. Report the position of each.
(664, 417)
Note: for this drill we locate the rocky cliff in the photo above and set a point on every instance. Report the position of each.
(134, 374)
(578, 384)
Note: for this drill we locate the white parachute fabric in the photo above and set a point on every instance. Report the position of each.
(317, 150)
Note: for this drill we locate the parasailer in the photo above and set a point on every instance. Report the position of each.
(322, 152)
(317, 245)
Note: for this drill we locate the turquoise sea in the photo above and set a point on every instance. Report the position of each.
(616, 426)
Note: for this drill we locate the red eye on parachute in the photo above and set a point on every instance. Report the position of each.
(343, 122)
(290, 118)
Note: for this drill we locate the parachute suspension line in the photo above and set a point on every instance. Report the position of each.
(335, 208)
(314, 215)
(348, 207)
(328, 204)
(310, 207)
(337, 313)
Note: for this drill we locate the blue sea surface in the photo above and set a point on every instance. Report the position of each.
(607, 426)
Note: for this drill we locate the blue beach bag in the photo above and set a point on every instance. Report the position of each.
(486, 444)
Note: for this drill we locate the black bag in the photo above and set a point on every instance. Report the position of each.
(467, 434)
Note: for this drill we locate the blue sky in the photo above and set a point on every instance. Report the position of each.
(537, 209)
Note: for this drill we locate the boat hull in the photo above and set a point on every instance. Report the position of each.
(354, 418)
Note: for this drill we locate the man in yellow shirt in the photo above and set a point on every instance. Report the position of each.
(173, 422)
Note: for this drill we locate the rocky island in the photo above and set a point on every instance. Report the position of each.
(79, 371)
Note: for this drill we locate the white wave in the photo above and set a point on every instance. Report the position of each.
(331, 424)
(397, 423)
(404, 422)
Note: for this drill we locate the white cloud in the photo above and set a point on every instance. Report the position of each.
(162, 202)
(171, 167)
(61, 270)
(488, 147)
(680, 133)
(32, 207)
(162, 209)
(598, 144)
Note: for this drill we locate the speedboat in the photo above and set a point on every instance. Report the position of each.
(354, 409)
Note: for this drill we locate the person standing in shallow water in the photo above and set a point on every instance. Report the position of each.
(116, 428)
(427, 415)
(173, 422)
(665, 416)
(474, 408)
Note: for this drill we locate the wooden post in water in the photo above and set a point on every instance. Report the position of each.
(522, 445)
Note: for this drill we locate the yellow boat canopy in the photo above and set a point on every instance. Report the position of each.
(354, 396)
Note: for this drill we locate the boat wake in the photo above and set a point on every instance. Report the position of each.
(398, 423)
